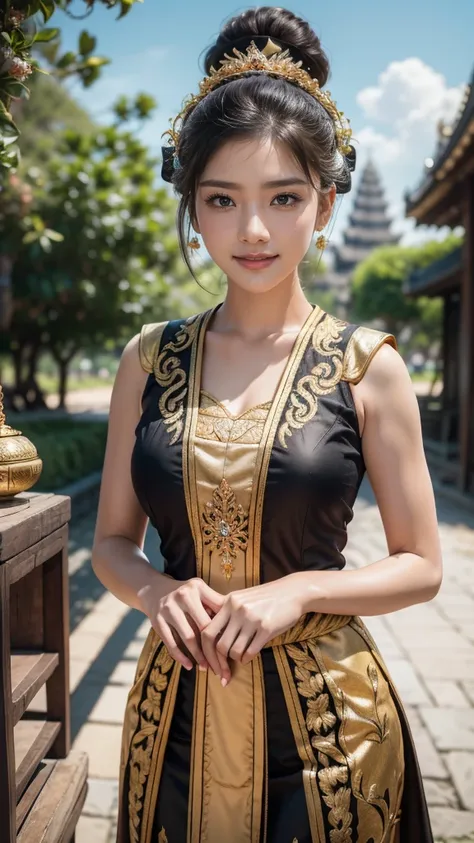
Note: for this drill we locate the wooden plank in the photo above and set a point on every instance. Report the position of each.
(7, 752)
(29, 672)
(46, 513)
(33, 739)
(55, 812)
(26, 612)
(36, 555)
(33, 791)
(56, 639)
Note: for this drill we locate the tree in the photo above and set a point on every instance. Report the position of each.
(95, 251)
(377, 286)
(20, 34)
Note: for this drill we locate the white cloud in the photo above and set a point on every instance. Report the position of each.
(399, 130)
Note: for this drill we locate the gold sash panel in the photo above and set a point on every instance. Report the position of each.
(346, 729)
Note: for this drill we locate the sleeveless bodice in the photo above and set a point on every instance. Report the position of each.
(248, 499)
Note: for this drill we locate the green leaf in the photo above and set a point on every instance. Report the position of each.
(54, 235)
(6, 37)
(95, 61)
(66, 60)
(47, 8)
(46, 34)
(87, 43)
(125, 6)
(30, 237)
(15, 88)
(8, 128)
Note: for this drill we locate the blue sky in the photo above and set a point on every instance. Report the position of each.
(396, 70)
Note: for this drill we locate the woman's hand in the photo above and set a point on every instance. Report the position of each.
(248, 619)
(180, 615)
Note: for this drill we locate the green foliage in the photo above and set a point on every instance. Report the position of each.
(69, 450)
(378, 283)
(96, 248)
(19, 37)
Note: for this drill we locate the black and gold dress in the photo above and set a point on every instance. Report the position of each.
(309, 742)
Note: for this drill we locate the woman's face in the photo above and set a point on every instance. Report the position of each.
(257, 212)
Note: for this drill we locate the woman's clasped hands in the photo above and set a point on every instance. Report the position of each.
(196, 622)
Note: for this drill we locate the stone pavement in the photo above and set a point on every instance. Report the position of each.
(429, 650)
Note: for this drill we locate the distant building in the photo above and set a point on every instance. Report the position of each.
(368, 227)
(445, 197)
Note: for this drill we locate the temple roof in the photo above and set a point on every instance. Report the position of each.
(370, 236)
(438, 198)
(437, 277)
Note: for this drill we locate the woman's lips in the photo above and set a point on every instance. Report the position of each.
(257, 262)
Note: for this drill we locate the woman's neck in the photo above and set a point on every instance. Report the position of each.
(284, 309)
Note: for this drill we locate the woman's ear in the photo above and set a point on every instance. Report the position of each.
(326, 205)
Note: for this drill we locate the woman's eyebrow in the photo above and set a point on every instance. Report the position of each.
(231, 185)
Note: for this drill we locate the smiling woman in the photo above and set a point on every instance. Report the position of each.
(262, 710)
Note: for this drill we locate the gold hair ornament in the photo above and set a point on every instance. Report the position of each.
(273, 61)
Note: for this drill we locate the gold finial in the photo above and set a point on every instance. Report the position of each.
(270, 49)
(278, 64)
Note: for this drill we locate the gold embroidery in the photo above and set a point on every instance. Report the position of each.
(322, 379)
(216, 424)
(162, 838)
(321, 721)
(168, 373)
(225, 526)
(389, 819)
(144, 738)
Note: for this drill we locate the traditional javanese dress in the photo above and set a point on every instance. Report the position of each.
(309, 742)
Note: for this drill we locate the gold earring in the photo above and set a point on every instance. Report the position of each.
(321, 242)
(194, 244)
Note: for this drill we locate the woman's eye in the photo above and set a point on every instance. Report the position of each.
(286, 200)
(219, 201)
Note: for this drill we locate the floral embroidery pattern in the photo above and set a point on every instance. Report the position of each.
(144, 738)
(162, 838)
(169, 373)
(225, 526)
(322, 379)
(320, 720)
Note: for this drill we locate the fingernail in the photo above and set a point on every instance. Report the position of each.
(202, 667)
(223, 681)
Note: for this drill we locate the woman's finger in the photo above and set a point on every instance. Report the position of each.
(164, 631)
(255, 646)
(187, 635)
(209, 637)
(240, 645)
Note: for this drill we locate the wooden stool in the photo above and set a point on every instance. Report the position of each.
(42, 786)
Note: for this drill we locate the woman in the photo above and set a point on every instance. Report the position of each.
(261, 709)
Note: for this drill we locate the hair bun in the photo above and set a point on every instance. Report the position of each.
(282, 25)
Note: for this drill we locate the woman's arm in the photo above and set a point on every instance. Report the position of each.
(396, 465)
(177, 610)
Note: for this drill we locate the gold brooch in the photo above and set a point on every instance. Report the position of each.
(225, 526)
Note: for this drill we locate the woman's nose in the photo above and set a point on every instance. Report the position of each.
(253, 229)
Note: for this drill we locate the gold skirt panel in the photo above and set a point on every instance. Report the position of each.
(340, 703)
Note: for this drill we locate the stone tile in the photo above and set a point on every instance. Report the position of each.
(133, 650)
(407, 683)
(468, 688)
(440, 793)
(461, 767)
(449, 823)
(429, 758)
(85, 646)
(102, 743)
(450, 728)
(92, 830)
(447, 693)
(124, 673)
(110, 707)
(444, 664)
(102, 798)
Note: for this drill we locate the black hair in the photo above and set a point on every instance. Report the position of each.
(259, 105)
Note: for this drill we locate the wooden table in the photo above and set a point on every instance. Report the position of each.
(42, 785)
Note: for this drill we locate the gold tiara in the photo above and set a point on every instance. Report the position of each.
(274, 61)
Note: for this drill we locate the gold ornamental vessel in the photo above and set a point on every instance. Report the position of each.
(20, 465)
